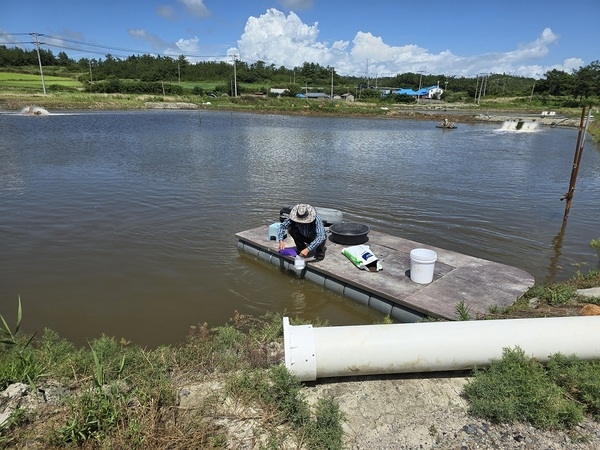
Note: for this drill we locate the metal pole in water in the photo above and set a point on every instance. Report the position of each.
(576, 161)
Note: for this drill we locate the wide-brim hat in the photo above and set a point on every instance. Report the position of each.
(303, 213)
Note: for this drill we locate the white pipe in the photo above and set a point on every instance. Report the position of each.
(312, 353)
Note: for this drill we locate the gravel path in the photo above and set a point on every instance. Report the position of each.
(428, 412)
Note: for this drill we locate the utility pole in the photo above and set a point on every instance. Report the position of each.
(37, 47)
(332, 69)
(532, 89)
(487, 77)
(481, 87)
(420, 79)
(234, 76)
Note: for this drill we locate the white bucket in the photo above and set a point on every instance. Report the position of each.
(299, 262)
(422, 263)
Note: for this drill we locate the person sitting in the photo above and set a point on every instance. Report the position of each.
(306, 227)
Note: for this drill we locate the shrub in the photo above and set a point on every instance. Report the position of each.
(518, 389)
(580, 380)
(553, 294)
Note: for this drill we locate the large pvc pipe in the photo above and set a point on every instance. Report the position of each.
(312, 353)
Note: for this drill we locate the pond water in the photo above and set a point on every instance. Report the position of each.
(123, 223)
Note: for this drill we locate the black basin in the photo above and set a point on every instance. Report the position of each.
(349, 233)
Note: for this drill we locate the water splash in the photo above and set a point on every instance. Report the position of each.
(34, 111)
(519, 125)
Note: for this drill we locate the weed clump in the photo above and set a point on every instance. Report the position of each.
(117, 395)
(520, 389)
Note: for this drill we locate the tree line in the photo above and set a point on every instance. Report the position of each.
(163, 74)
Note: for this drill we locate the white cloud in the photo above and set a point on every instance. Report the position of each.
(156, 42)
(188, 46)
(166, 12)
(278, 39)
(196, 8)
(570, 64)
(281, 40)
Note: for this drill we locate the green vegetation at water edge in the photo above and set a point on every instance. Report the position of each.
(520, 389)
(117, 395)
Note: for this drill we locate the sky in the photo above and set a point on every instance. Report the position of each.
(374, 38)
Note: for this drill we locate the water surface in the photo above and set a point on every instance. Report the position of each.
(123, 223)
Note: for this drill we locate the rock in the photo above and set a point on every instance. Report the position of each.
(590, 292)
(22, 396)
(170, 105)
(11, 399)
(590, 310)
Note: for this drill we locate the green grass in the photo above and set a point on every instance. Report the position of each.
(29, 82)
(560, 296)
(123, 396)
(520, 389)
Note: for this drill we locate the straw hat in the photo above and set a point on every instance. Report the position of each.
(303, 213)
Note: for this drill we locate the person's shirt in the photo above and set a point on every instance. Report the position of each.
(305, 229)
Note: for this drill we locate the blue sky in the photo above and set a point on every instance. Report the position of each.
(373, 38)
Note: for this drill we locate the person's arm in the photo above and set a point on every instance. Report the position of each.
(321, 235)
(285, 225)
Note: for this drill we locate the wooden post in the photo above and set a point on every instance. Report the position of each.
(576, 161)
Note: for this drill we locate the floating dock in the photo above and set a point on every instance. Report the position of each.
(476, 283)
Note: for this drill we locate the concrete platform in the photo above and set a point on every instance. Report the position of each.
(478, 283)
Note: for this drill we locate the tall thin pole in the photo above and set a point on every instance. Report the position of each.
(234, 76)
(576, 161)
(332, 83)
(37, 46)
(485, 84)
(481, 88)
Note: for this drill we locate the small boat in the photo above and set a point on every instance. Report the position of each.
(446, 124)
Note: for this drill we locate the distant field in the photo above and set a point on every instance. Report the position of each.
(28, 82)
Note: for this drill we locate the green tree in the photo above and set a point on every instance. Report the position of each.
(64, 60)
(556, 82)
(587, 81)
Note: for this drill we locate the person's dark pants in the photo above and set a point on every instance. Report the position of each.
(302, 241)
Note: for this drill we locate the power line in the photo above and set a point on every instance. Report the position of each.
(99, 46)
(119, 49)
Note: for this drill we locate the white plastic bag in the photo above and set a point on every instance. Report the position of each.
(362, 257)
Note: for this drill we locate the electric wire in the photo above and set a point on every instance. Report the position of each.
(99, 46)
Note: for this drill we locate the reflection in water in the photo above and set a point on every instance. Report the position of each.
(124, 223)
(557, 242)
